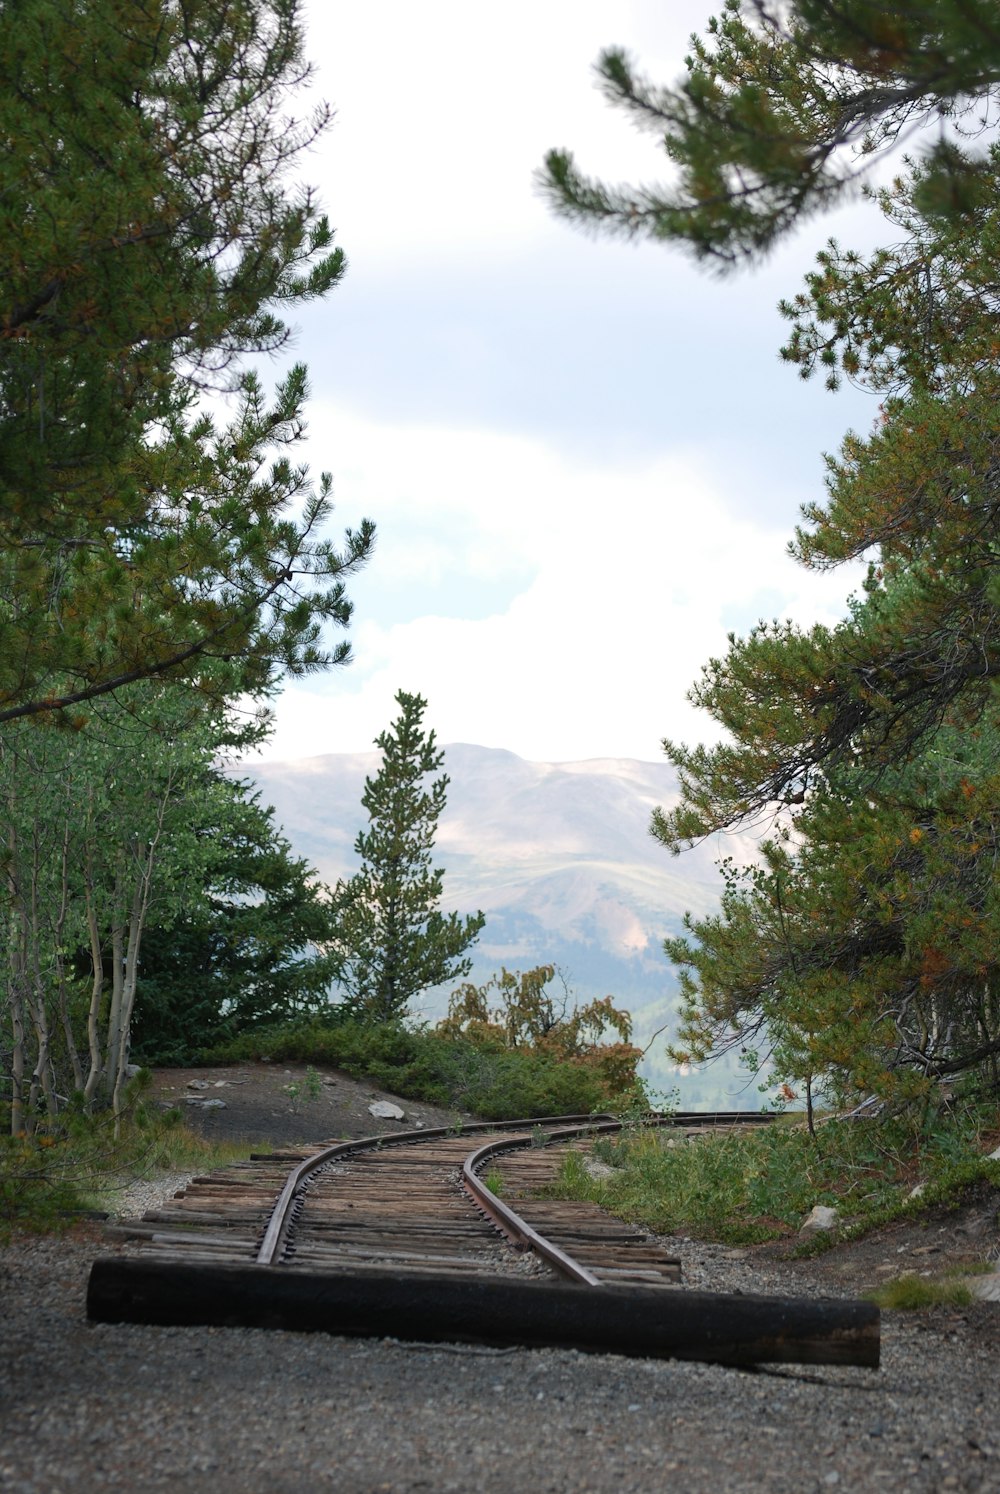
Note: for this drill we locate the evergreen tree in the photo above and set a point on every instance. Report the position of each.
(782, 107)
(392, 939)
(151, 238)
(244, 950)
(862, 951)
(916, 323)
(859, 953)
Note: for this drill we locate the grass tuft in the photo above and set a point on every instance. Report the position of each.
(48, 1182)
(912, 1293)
(744, 1187)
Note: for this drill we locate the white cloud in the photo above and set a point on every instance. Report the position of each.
(558, 609)
(635, 579)
(444, 112)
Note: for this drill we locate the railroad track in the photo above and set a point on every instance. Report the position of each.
(441, 1233)
(402, 1201)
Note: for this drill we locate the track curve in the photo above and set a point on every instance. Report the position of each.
(400, 1235)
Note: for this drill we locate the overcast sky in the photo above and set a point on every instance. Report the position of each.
(584, 458)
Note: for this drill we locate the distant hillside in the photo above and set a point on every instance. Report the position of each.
(558, 856)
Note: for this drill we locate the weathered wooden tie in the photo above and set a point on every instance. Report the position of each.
(431, 1308)
(377, 1238)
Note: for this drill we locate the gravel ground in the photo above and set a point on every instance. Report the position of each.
(93, 1406)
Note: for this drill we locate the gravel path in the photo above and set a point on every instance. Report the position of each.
(95, 1407)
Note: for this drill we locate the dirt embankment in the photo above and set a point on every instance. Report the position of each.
(279, 1104)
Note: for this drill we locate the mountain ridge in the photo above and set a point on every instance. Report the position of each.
(557, 855)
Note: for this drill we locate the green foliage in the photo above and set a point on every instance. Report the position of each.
(243, 951)
(40, 1185)
(421, 1064)
(392, 940)
(760, 1184)
(525, 1017)
(157, 561)
(782, 108)
(861, 952)
(51, 1180)
(305, 1090)
(150, 237)
(101, 830)
(142, 889)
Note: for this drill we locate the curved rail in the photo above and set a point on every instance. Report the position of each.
(509, 1222)
(276, 1232)
(506, 1219)
(442, 1290)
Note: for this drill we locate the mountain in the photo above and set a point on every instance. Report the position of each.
(557, 855)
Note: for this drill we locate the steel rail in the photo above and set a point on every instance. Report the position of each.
(510, 1223)
(454, 1305)
(276, 1232)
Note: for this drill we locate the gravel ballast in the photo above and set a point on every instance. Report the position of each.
(94, 1406)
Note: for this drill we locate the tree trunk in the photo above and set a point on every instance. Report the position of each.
(65, 1020)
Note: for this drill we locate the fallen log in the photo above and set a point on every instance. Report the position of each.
(442, 1308)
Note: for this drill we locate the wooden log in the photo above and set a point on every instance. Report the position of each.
(635, 1321)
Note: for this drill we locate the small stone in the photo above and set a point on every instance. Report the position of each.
(202, 1104)
(916, 1192)
(597, 1169)
(198, 1084)
(385, 1110)
(994, 1156)
(821, 1218)
(221, 1084)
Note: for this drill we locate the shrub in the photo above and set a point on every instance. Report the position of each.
(431, 1065)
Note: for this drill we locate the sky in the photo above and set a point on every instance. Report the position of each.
(584, 457)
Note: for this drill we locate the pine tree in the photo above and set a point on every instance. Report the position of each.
(150, 237)
(859, 953)
(862, 951)
(783, 108)
(917, 496)
(393, 940)
(243, 950)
